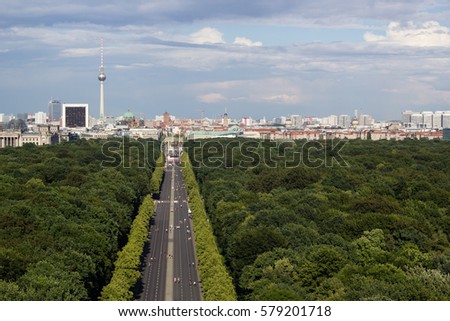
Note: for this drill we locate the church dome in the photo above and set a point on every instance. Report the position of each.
(17, 125)
(128, 114)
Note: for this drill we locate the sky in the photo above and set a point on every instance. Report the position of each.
(264, 58)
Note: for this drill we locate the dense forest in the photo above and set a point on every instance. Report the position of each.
(360, 220)
(65, 212)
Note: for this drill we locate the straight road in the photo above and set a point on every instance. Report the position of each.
(156, 258)
(186, 287)
(170, 271)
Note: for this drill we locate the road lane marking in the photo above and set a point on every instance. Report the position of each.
(169, 270)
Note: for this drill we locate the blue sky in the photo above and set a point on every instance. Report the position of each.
(254, 58)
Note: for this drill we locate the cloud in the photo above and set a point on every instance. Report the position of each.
(273, 90)
(246, 42)
(320, 12)
(428, 34)
(283, 99)
(56, 36)
(150, 44)
(80, 52)
(211, 98)
(207, 36)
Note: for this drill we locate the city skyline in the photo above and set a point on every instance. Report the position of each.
(267, 59)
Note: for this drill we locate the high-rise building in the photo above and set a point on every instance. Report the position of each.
(365, 120)
(166, 118)
(406, 117)
(446, 119)
(102, 78)
(288, 121)
(344, 121)
(417, 120)
(276, 121)
(225, 120)
(40, 118)
(437, 119)
(297, 121)
(247, 121)
(331, 120)
(75, 115)
(54, 111)
(5, 118)
(427, 119)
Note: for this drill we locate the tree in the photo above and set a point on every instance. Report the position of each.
(47, 282)
(370, 247)
(246, 244)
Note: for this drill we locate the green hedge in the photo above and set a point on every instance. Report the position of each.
(216, 282)
(157, 175)
(126, 272)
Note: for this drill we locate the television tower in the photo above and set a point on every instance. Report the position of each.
(102, 78)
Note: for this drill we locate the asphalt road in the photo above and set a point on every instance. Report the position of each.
(170, 271)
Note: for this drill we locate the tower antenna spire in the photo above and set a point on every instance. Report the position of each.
(102, 78)
(101, 52)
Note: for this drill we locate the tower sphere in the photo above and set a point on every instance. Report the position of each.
(102, 77)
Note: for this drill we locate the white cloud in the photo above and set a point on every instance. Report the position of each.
(428, 34)
(211, 98)
(246, 42)
(283, 99)
(273, 90)
(207, 36)
(80, 52)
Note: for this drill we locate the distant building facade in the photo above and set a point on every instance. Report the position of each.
(22, 116)
(54, 111)
(75, 116)
(446, 119)
(5, 118)
(426, 119)
(437, 119)
(40, 118)
(166, 118)
(225, 120)
(42, 135)
(446, 134)
(344, 121)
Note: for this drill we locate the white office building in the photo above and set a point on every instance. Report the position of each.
(437, 119)
(40, 118)
(5, 118)
(406, 117)
(417, 120)
(427, 118)
(344, 121)
(297, 121)
(365, 120)
(331, 120)
(446, 119)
